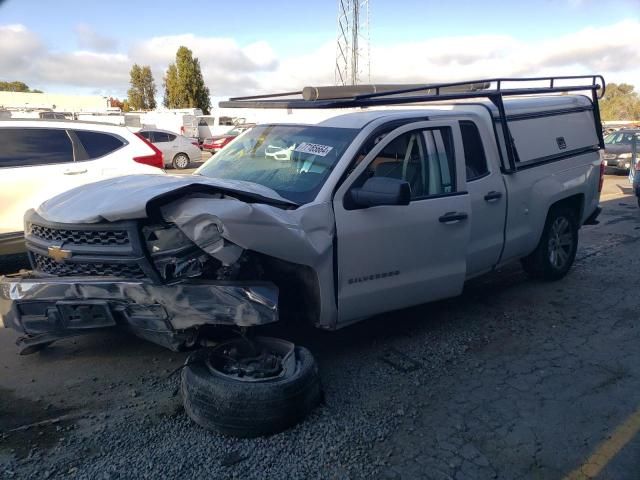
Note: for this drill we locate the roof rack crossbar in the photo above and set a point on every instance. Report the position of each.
(401, 96)
(381, 100)
(498, 88)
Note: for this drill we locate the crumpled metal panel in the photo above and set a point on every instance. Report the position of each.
(186, 304)
(303, 236)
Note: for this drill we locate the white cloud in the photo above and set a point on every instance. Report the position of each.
(89, 39)
(226, 66)
(230, 68)
(18, 46)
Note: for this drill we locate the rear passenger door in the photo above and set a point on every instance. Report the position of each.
(96, 155)
(488, 202)
(395, 256)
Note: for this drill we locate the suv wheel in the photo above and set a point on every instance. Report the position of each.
(180, 161)
(556, 251)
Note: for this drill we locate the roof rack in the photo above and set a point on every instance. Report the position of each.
(492, 89)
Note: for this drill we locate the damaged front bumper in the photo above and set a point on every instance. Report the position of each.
(50, 308)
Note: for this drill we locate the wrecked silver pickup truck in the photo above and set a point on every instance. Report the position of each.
(329, 223)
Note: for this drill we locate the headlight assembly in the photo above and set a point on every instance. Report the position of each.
(174, 255)
(165, 238)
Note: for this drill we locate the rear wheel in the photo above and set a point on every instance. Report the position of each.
(556, 251)
(180, 161)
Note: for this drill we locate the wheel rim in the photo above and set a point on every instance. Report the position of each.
(252, 360)
(560, 242)
(182, 161)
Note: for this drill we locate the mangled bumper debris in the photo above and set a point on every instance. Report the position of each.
(47, 309)
(164, 259)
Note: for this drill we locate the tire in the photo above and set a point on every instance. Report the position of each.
(248, 408)
(556, 251)
(180, 161)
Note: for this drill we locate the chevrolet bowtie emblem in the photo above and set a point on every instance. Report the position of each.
(58, 254)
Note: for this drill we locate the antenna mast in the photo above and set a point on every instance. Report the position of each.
(353, 64)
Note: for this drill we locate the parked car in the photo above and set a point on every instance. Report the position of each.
(42, 158)
(618, 149)
(216, 143)
(362, 213)
(178, 151)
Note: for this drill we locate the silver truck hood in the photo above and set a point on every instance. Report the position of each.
(126, 198)
(212, 218)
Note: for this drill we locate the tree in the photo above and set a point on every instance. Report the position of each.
(115, 103)
(16, 87)
(620, 102)
(183, 83)
(142, 93)
(171, 90)
(149, 87)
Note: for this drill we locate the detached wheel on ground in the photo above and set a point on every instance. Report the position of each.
(180, 161)
(250, 388)
(554, 255)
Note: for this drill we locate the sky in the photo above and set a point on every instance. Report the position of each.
(251, 47)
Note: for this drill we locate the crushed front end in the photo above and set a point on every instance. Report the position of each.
(143, 275)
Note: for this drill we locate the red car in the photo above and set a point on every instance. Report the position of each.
(215, 144)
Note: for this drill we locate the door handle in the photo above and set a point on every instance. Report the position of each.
(493, 196)
(75, 172)
(453, 217)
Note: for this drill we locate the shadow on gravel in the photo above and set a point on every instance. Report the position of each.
(18, 419)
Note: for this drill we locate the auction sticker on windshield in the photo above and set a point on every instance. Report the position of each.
(313, 149)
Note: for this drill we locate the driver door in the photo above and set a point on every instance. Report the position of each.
(395, 256)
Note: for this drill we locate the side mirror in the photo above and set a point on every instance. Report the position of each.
(382, 191)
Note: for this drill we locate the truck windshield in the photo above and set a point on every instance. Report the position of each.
(293, 160)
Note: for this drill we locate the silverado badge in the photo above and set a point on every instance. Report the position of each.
(58, 254)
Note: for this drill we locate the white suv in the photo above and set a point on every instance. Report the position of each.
(42, 158)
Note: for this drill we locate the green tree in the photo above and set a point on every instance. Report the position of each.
(142, 93)
(183, 83)
(149, 88)
(16, 87)
(620, 102)
(171, 90)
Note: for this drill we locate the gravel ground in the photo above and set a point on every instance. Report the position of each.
(148, 433)
(387, 382)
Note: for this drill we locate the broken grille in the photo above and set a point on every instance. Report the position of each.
(104, 269)
(81, 237)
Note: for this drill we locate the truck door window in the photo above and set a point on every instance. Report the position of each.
(424, 158)
(474, 157)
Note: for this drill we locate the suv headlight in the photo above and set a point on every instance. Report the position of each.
(624, 155)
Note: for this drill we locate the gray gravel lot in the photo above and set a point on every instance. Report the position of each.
(515, 379)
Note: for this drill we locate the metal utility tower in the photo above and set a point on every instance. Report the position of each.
(353, 64)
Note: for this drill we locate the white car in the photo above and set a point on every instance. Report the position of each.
(178, 150)
(43, 158)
